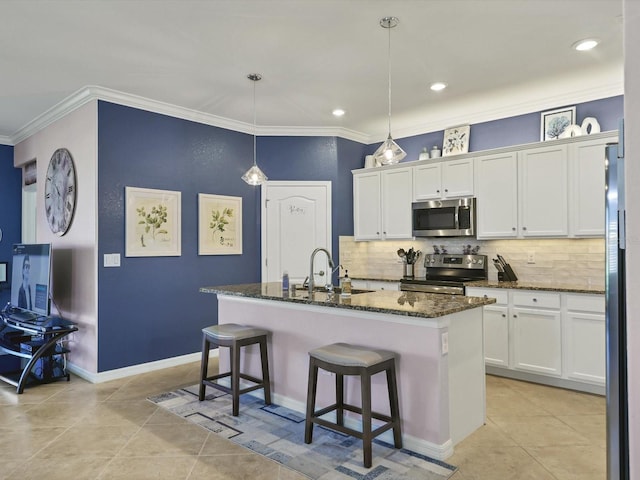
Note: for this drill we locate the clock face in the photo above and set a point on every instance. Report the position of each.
(60, 191)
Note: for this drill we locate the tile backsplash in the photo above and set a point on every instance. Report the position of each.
(579, 262)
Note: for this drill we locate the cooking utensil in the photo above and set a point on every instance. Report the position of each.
(401, 253)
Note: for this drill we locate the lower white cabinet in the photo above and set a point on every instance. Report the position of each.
(537, 341)
(545, 334)
(584, 338)
(496, 335)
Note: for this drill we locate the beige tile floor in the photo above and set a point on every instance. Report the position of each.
(110, 431)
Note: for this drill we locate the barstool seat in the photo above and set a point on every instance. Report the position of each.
(234, 337)
(344, 359)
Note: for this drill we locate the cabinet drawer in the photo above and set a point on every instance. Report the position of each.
(536, 299)
(586, 303)
(501, 296)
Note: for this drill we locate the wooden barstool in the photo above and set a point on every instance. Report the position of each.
(234, 337)
(343, 359)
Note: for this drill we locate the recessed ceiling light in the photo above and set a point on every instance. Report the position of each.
(436, 87)
(338, 112)
(584, 45)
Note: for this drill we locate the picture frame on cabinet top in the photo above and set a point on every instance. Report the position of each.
(456, 140)
(554, 122)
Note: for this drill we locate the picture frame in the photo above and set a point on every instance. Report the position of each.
(456, 140)
(554, 122)
(152, 223)
(219, 225)
(4, 272)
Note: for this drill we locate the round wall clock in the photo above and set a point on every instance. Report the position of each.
(60, 191)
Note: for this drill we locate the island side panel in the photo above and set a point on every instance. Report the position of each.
(423, 378)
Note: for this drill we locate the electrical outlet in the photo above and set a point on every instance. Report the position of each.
(445, 343)
(531, 257)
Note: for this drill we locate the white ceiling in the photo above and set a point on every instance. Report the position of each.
(314, 56)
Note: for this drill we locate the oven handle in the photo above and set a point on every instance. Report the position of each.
(442, 289)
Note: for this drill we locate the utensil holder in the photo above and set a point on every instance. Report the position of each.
(408, 271)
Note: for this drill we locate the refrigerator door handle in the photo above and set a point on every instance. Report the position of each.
(622, 226)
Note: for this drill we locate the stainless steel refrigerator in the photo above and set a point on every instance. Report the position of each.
(617, 419)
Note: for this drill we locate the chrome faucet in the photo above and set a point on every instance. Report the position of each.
(331, 266)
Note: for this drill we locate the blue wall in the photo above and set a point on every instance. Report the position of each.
(10, 212)
(150, 308)
(513, 130)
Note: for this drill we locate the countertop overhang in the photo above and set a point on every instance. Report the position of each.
(412, 304)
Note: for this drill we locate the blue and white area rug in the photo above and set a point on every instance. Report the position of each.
(278, 433)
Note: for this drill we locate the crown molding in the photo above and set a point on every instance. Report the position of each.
(93, 92)
(471, 112)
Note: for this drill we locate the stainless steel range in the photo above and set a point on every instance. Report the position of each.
(448, 273)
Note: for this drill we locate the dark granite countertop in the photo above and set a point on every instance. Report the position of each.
(554, 287)
(413, 304)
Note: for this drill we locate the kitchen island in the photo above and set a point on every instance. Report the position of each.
(438, 339)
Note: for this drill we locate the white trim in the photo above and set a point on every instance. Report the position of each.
(438, 322)
(471, 111)
(137, 369)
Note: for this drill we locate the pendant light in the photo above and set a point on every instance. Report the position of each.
(254, 176)
(389, 152)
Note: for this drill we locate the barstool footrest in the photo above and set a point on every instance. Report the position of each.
(349, 431)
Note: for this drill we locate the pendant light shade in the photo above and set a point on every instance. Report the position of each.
(389, 152)
(254, 176)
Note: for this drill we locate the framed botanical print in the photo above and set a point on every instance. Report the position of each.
(456, 140)
(152, 222)
(219, 225)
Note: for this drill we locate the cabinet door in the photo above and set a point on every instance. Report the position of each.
(427, 181)
(397, 194)
(543, 196)
(366, 206)
(537, 341)
(586, 201)
(457, 178)
(496, 336)
(585, 347)
(496, 187)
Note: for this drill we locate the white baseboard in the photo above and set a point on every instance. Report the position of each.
(137, 369)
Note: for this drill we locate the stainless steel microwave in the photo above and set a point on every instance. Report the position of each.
(444, 218)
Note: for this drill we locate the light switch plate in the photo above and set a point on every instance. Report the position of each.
(111, 259)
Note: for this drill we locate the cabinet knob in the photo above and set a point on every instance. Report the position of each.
(384, 233)
(504, 315)
(437, 191)
(524, 228)
(377, 233)
(485, 296)
(515, 316)
(446, 190)
(535, 299)
(513, 228)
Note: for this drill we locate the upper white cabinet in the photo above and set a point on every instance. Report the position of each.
(522, 194)
(542, 192)
(382, 204)
(586, 187)
(496, 185)
(443, 179)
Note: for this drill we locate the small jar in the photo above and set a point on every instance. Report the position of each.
(285, 281)
(424, 155)
(435, 152)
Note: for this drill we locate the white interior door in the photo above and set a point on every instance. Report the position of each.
(296, 219)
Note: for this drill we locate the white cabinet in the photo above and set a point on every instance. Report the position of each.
(443, 179)
(522, 194)
(382, 204)
(544, 336)
(586, 187)
(537, 340)
(496, 186)
(542, 192)
(584, 337)
(496, 326)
